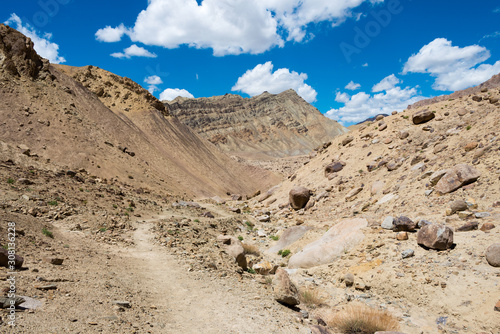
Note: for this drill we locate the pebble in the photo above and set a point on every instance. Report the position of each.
(408, 253)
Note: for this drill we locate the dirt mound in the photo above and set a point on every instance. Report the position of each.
(259, 127)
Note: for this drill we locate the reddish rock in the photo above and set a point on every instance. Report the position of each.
(470, 146)
(402, 236)
(487, 226)
(298, 197)
(457, 177)
(497, 306)
(422, 116)
(435, 236)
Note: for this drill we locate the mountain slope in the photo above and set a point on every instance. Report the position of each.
(259, 127)
(67, 125)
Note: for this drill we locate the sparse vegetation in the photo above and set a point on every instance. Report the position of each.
(53, 203)
(196, 220)
(251, 271)
(406, 116)
(251, 249)
(284, 252)
(468, 127)
(361, 319)
(10, 180)
(274, 237)
(240, 238)
(47, 233)
(311, 297)
(249, 225)
(103, 229)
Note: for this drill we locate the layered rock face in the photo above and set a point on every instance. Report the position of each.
(259, 127)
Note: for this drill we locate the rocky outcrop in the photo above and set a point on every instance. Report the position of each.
(265, 125)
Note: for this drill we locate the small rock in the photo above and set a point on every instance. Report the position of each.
(403, 134)
(298, 197)
(25, 182)
(435, 236)
(402, 236)
(360, 286)
(422, 116)
(388, 223)
(493, 255)
(462, 112)
(347, 140)
(407, 253)
(497, 306)
(382, 127)
(334, 167)
(436, 176)
(264, 219)
(458, 205)
(482, 214)
(46, 287)
(470, 146)
(404, 224)
(428, 192)
(387, 141)
(470, 226)
(53, 260)
(123, 304)
(477, 98)
(487, 226)
(348, 279)
(465, 214)
(350, 196)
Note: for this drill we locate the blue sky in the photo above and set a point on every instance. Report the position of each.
(351, 59)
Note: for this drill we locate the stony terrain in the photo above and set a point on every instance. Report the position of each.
(400, 215)
(257, 128)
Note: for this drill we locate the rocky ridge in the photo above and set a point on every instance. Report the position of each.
(259, 127)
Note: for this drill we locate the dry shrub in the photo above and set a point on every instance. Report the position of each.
(361, 319)
(251, 249)
(311, 297)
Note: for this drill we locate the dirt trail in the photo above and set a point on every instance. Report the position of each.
(194, 302)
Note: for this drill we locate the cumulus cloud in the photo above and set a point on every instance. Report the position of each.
(42, 45)
(134, 51)
(387, 83)
(361, 106)
(153, 81)
(262, 78)
(352, 86)
(109, 34)
(453, 67)
(231, 27)
(170, 94)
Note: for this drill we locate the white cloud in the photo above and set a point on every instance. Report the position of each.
(496, 34)
(361, 106)
(134, 51)
(42, 45)
(109, 34)
(231, 27)
(387, 83)
(453, 67)
(153, 81)
(365, 65)
(170, 94)
(262, 78)
(352, 86)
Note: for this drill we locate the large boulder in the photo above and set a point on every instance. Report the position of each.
(298, 197)
(284, 290)
(457, 177)
(338, 240)
(422, 116)
(234, 248)
(493, 255)
(435, 236)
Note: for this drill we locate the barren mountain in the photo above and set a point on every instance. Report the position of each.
(259, 127)
(70, 125)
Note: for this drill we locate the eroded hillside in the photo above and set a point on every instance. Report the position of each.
(259, 127)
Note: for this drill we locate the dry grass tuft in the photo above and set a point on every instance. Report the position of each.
(361, 319)
(251, 249)
(311, 297)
